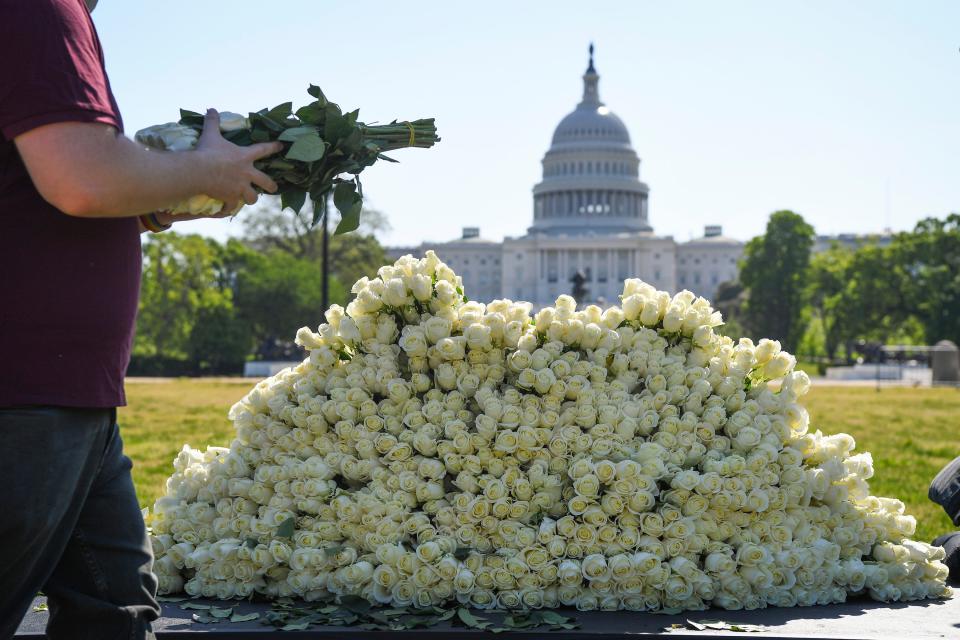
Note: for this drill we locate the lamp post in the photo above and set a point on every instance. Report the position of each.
(325, 265)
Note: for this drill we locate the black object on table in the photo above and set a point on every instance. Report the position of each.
(854, 620)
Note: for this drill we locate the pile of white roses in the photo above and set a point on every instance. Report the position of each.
(432, 449)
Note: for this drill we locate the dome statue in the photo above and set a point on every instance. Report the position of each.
(591, 174)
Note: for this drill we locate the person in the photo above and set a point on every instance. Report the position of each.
(945, 491)
(75, 195)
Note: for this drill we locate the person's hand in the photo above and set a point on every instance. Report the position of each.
(232, 175)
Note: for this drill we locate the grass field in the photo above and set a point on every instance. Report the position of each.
(911, 433)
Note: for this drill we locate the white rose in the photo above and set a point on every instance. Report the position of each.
(230, 121)
(594, 567)
(779, 365)
(421, 286)
(765, 351)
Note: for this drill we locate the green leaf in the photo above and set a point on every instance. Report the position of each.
(191, 118)
(295, 133)
(666, 612)
(293, 200)
(240, 137)
(286, 528)
(307, 148)
(471, 620)
(171, 599)
(195, 605)
(355, 604)
(280, 112)
(349, 203)
(336, 125)
(216, 612)
(552, 617)
(313, 113)
(259, 135)
(315, 91)
(329, 552)
(295, 626)
(250, 543)
(244, 617)
(203, 618)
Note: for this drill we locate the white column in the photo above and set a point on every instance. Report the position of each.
(561, 269)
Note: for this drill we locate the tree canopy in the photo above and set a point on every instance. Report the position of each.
(773, 271)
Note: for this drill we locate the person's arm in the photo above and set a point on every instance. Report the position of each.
(89, 170)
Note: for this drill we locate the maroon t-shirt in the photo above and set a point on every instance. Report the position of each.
(68, 286)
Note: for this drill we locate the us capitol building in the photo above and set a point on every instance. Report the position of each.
(590, 215)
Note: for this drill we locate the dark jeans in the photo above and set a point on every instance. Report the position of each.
(70, 526)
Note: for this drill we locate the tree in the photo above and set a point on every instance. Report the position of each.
(352, 255)
(773, 272)
(729, 300)
(872, 303)
(826, 279)
(220, 339)
(276, 294)
(930, 260)
(179, 279)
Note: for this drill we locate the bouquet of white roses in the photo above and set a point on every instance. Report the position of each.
(433, 450)
(321, 144)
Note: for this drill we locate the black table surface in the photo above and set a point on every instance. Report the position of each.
(855, 620)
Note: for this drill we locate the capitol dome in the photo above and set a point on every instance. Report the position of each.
(591, 174)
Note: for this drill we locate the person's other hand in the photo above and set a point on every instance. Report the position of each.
(169, 218)
(232, 175)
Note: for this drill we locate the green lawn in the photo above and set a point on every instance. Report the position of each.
(911, 433)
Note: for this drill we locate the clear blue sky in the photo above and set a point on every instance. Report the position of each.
(847, 112)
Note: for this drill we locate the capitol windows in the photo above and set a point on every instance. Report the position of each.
(602, 268)
(696, 278)
(656, 274)
(623, 264)
(683, 279)
(553, 265)
(713, 279)
(573, 260)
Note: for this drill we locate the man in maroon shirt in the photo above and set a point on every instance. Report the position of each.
(71, 190)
